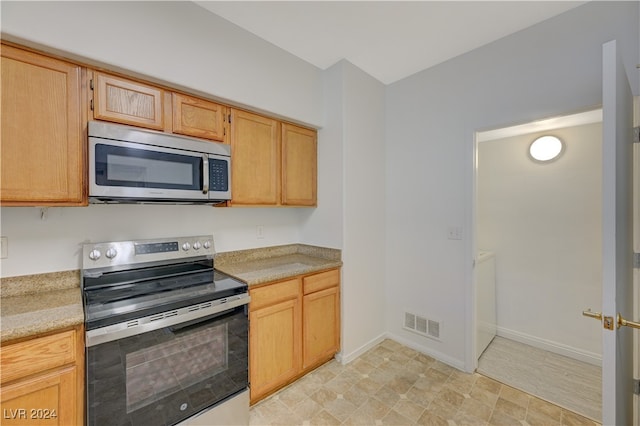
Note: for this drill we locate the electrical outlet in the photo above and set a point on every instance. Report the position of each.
(260, 232)
(4, 247)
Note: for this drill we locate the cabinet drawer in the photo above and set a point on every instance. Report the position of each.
(274, 293)
(35, 355)
(321, 281)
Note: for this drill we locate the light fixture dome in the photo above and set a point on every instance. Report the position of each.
(546, 148)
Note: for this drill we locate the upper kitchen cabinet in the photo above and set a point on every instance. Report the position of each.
(128, 102)
(255, 165)
(274, 163)
(42, 153)
(198, 117)
(299, 166)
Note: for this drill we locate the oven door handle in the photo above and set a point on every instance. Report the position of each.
(164, 319)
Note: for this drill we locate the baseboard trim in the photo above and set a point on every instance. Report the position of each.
(453, 362)
(548, 345)
(346, 359)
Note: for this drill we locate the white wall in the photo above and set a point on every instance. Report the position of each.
(544, 223)
(54, 243)
(355, 124)
(550, 69)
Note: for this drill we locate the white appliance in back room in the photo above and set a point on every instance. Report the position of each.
(485, 300)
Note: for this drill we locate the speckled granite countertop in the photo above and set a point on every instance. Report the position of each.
(258, 266)
(35, 304)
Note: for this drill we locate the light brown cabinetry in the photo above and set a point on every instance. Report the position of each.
(273, 163)
(255, 165)
(42, 380)
(289, 333)
(274, 336)
(321, 317)
(128, 102)
(198, 117)
(42, 154)
(299, 166)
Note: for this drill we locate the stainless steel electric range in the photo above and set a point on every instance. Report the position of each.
(166, 335)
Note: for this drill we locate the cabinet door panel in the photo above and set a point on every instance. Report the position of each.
(42, 139)
(49, 399)
(255, 169)
(275, 341)
(128, 102)
(197, 117)
(299, 166)
(321, 326)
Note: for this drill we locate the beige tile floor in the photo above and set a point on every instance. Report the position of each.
(395, 385)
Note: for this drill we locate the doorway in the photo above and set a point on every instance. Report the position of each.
(541, 221)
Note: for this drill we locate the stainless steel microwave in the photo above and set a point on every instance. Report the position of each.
(131, 165)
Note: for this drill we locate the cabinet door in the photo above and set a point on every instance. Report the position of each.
(198, 118)
(321, 326)
(48, 399)
(43, 145)
(255, 164)
(299, 166)
(274, 343)
(128, 102)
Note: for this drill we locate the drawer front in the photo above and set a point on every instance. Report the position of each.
(274, 293)
(321, 281)
(38, 354)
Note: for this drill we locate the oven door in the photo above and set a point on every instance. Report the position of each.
(164, 376)
(127, 170)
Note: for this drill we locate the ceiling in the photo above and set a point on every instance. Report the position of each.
(389, 40)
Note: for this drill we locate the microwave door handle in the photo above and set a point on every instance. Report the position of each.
(205, 174)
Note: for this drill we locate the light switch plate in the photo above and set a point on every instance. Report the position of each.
(4, 247)
(454, 232)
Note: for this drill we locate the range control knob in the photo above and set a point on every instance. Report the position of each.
(95, 254)
(197, 245)
(186, 246)
(207, 244)
(111, 253)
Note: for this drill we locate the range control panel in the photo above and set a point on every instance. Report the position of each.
(108, 254)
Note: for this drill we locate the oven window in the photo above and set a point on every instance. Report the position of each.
(156, 372)
(165, 376)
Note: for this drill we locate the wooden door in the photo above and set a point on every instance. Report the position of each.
(255, 165)
(617, 244)
(43, 145)
(299, 166)
(128, 102)
(47, 399)
(274, 342)
(198, 117)
(321, 326)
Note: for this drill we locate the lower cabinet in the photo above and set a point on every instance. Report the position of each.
(320, 318)
(294, 327)
(275, 334)
(43, 380)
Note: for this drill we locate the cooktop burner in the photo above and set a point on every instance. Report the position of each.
(136, 279)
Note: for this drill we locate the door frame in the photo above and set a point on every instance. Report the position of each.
(583, 116)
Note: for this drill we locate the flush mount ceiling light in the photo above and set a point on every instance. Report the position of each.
(546, 148)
